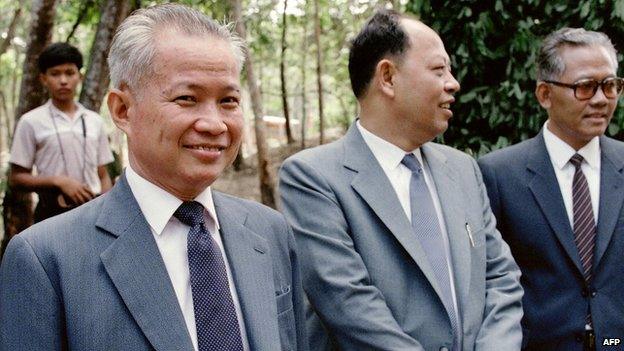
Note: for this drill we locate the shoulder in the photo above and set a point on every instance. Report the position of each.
(319, 155)
(449, 152)
(258, 214)
(611, 143)
(35, 115)
(65, 236)
(510, 156)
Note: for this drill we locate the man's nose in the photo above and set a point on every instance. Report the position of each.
(451, 85)
(599, 97)
(210, 121)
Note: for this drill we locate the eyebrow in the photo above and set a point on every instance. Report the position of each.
(194, 86)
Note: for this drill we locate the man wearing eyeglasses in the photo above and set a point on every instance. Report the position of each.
(558, 199)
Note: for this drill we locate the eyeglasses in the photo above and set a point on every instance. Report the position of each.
(585, 89)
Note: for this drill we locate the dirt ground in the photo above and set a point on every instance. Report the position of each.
(245, 183)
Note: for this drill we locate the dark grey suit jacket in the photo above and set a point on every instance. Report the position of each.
(365, 272)
(93, 279)
(532, 218)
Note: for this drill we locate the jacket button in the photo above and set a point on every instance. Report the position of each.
(593, 293)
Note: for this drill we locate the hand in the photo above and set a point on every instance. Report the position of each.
(75, 192)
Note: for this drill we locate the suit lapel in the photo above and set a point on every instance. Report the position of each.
(543, 183)
(138, 272)
(451, 200)
(249, 258)
(611, 195)
(372, 184)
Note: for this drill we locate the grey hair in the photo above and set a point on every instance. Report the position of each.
(550, 65)
(133, 48)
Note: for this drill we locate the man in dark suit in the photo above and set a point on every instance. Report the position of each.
(399, 246)
(558, 199)
(161, 261)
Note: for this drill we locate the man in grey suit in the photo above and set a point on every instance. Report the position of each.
(161, 262)
(559, 198)
(399, 246)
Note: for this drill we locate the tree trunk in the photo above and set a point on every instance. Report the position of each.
(17, 205)
(319, 70)
(289, 136)
(304, 97)
(11, 31)
(82, 12)
(267, 182)
(97, 80)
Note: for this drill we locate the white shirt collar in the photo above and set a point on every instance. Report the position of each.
(80, 110)
(560, 152)
(387, 154)
(158, 205)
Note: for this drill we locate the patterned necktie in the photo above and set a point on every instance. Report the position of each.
(427, 229)
(215, 316)
(584, 225)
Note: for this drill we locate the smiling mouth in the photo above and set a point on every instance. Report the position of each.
(205, 148)
(446, 105)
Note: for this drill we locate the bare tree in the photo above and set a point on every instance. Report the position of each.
(304, 61)
(267, 181)
(289, 136)
(17, 205)
(10, 33)
(319, 70)
(96, 80)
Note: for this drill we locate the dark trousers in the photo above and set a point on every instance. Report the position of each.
(48, 206)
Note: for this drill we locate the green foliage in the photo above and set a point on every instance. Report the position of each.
(493, 44)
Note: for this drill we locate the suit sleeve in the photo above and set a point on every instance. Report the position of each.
(489, 178)
(501, 328)
(31, 316)
(335, 278)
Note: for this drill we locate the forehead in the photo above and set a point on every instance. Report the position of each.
(178, 53)
(63, 67)
(425, 43)
(586, 62)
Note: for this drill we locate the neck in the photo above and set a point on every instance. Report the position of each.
(69, 107)
(382, 123)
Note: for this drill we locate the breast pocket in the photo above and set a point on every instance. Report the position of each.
(286, 318)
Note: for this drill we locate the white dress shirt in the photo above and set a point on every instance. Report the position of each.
(389, 157)
(158, 207)
(560, 153)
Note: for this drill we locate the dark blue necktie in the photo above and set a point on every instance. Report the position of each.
(427, 229)
(215, 316)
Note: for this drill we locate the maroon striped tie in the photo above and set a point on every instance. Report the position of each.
(584, 224)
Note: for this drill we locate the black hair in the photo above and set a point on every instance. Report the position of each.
(58, 54)
(381, 36)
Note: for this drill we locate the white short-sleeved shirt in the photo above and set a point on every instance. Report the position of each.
(55, 144)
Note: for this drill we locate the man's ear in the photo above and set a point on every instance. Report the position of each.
(385, 77)
(119, 105)
(542, 93)
(43, 79)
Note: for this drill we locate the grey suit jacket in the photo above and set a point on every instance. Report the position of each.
(93, 279)
(365, 273)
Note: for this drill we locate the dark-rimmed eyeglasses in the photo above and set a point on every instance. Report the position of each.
(585, 89)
